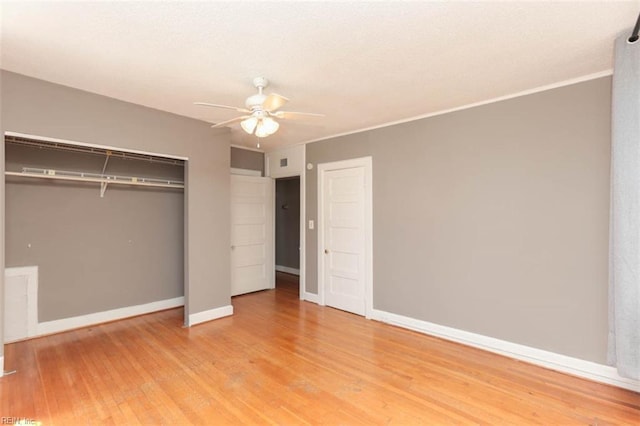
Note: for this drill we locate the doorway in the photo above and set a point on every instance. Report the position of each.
(287, 232)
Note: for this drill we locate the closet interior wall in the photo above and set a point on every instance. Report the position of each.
(94, 253)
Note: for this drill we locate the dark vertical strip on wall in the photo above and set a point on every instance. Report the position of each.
(288, 222)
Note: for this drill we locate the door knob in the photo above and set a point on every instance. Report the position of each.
(326, 251)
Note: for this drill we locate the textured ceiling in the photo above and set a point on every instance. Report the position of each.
(361, 64)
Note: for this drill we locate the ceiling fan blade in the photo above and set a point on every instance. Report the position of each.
(273, 102)
(222, 106)
(233, 120)
(288, 115)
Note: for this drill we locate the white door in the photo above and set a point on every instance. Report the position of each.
(252, 259)
(343, 247)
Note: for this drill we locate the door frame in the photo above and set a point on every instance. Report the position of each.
(367, 164)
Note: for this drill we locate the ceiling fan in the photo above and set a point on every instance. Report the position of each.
(261, 111)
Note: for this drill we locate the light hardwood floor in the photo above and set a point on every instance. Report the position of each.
(279, 360)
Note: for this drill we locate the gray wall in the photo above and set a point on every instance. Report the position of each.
(247, 159)
(288, 222)
(492, 219)
(40, 108)
(94, 254)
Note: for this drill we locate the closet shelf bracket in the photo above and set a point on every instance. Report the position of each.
(103, 185)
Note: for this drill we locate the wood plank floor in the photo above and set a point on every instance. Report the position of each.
(282, 361)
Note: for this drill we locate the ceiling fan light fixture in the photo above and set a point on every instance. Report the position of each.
(270, 125)
(261, 133)
(266, 127)
(249, 125)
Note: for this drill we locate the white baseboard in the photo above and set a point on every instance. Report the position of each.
(65, 324)
(310, 297)
(292, 271)
(563, 363)
(211, 314)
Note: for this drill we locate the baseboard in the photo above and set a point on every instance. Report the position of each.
(563, 363)
(292, 271)
(65, 324)
(310, 297)
(211, 314)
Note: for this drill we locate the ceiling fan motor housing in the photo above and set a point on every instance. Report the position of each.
(255, 102)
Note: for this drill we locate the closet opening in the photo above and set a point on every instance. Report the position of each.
(103, 228)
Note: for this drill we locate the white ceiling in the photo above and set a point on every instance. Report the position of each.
(361, 64)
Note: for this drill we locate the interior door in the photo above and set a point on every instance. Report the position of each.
(343, 223)
(252, 259)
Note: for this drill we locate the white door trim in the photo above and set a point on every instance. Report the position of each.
(367, 164)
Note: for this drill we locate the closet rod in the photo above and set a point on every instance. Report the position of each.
(95, 178)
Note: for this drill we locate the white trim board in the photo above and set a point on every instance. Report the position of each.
(1, 365)
(31, 273)
(65, 324)
(562, 363)
(288, 270)
(538, 89)
(310, 297)
(211, 314)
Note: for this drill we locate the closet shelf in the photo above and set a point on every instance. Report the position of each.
(95, 178)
